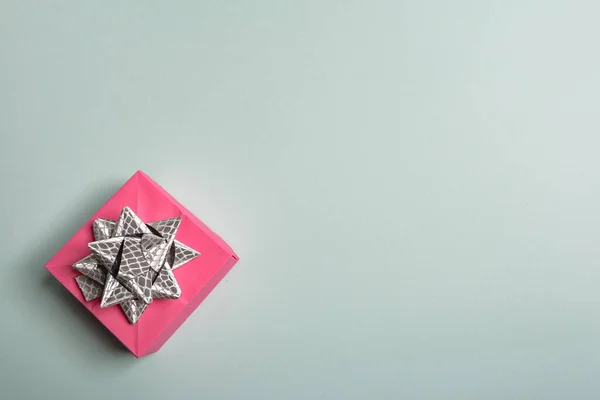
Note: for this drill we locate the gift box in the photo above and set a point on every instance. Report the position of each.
(142, 264)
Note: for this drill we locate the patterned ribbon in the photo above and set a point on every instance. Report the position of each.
(132, 263)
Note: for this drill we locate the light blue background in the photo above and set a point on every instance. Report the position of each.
(412, 187)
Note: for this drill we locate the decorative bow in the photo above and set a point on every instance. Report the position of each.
(132, 263)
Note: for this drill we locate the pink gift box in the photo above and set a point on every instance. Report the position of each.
(196, 279)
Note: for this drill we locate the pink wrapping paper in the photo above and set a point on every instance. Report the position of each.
(196, 278)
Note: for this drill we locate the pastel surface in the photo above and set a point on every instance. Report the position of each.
(411, 187)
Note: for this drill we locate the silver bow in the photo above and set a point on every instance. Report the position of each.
(132, 263)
